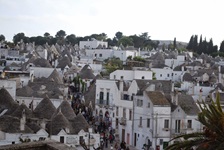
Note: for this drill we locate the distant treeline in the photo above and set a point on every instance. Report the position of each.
(203, 46)
(141, 41)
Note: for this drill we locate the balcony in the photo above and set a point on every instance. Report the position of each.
(122, 121)
(102, 102)
(176, 132)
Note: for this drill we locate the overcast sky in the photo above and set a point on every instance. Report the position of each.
(162, 19)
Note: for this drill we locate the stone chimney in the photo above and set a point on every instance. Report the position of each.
(43, 124)
(121, 85)
(23, 121)
(175, 97)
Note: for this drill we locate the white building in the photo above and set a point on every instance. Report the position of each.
(102, 54)
(175, 62)
(93, 44)
(73, 140)
(152, 117)
(131, 74)
(167, 73)
(39, 72)
(184, 116)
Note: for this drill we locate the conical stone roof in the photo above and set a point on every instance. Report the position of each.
(25, 91)
(45, 109)
(11, 124)
(86, 73)
(18, 112)
(7, 102)
(79, 123)
(62, 63)
(55, 77)
(187, 77)
(59, 122)
(66, 110)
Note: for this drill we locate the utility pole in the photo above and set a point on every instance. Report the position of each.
(156, 118)
(89, 141)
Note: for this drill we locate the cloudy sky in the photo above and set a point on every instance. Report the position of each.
(162, 19)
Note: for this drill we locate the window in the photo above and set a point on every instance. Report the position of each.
(126, 97)
(189, 124)
(114, 76)
(166, 123)
(172, 74)
(130, 114)
(62, 139)
(101, 97)
(124, 112)
(143, 77)
(107, 102)
(81, 139)
(168, 75)
(117, 111)
(139, 102)
(148, 123)
(148, 105)
(161, 75)
(122, 77)
(95, 55)
(177, 126)
(140, 122)
(100, 55)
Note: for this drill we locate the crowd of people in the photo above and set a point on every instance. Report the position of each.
(101, 124)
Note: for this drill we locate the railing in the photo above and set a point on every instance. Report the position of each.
(176, 132)
(102, 102)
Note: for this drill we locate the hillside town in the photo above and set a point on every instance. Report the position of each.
(64, 93)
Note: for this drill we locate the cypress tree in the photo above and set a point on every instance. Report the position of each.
(174, 44)
(195, 43)
(190, 44)
(210, 47)
(204, 46)
(200, 46)
(221, 49)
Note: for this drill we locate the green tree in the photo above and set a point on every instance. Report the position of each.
(212, 136)
(195, 43)
(210, 47)
(2, 37)
(99, 37)
(221, 48)
(71, 39)
(190, 44)
(126, 41)
(200, 46)
(18, 37)
(145, 36)
(119, 35)
(46, 34)
(137, 41)
(139, 58)
(174, 44)
(147, 43)
(113, 64)
(60, 35)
